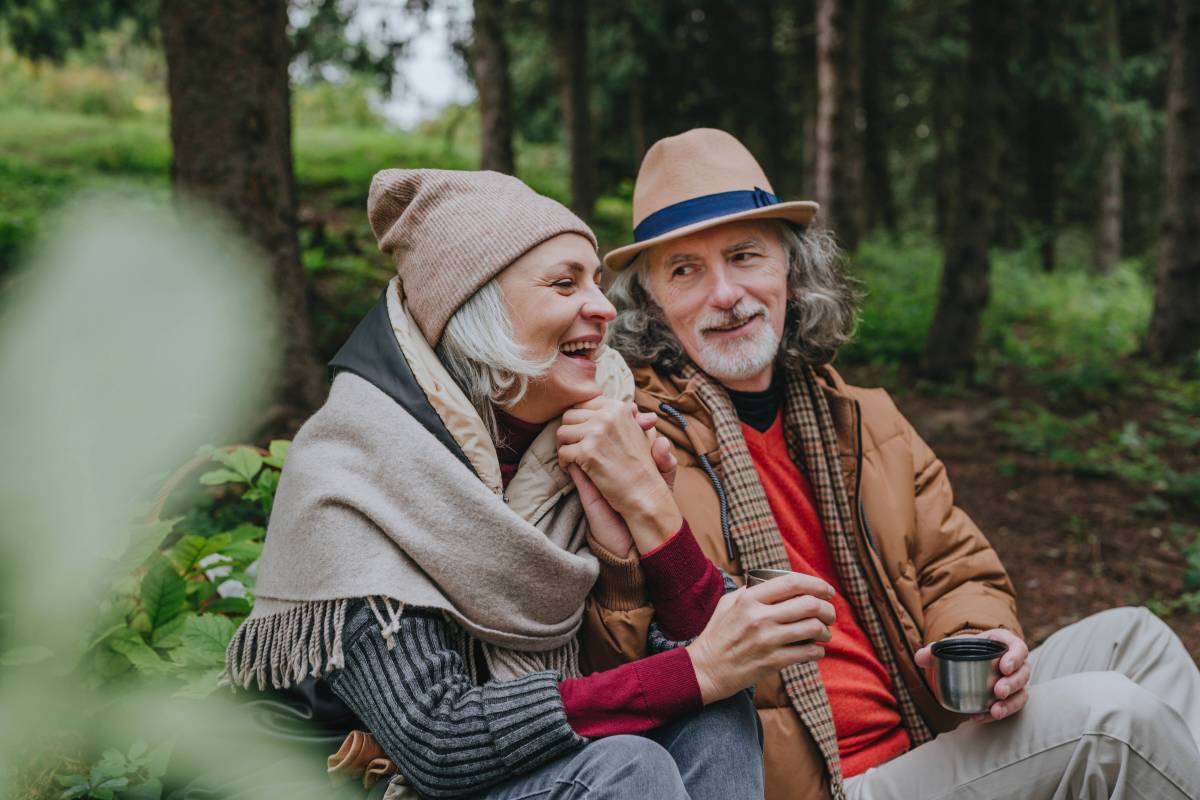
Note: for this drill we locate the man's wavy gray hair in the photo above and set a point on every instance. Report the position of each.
(822, 307)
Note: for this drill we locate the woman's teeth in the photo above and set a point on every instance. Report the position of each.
(578, 348)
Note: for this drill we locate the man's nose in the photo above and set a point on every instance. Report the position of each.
(724, 292)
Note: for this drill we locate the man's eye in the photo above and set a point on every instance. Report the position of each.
(743, 256)
(565, 283)
(682, 271)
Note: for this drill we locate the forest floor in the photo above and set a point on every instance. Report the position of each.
(1074, 542)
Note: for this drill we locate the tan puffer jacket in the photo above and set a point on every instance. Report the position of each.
(932, 572)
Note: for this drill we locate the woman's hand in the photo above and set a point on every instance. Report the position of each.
(631, 470)
(606, 525)
(754, 632)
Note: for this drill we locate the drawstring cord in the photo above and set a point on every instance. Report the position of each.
(722, 501)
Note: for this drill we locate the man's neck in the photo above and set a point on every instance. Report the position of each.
(758, 409)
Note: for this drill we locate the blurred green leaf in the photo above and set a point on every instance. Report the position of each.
(218, 477)
(279, 451)
(163, 593)
(243, 461)
(205, 638)
(29, 654)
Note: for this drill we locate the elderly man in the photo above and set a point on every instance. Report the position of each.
(732, 307)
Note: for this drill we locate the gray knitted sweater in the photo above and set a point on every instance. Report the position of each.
(448, 735)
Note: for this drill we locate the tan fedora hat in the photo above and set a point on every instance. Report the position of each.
(696, 180)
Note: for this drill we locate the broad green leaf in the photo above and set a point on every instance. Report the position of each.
(140, 654)
(200, 685)
(146, 790)
(205, 638)
(218, 477)
(244, 553)
(246, 533)
(159, 757)
(244, 461)
(214, 544)
(163, 593)
(71, 780)
(229, 605)
(75, 791)
(186, 551)
(109, 663)
(279, 451)
(170, 634)
(29, 654)
(144, 540)
(112, 764)
(138, 749)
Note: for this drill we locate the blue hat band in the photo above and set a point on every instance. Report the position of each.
(699, 209)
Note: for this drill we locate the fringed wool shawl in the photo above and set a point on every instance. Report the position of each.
(371, 505)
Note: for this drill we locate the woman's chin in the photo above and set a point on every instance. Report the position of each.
(573, 379)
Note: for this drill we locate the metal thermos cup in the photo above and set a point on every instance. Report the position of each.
(960, 672)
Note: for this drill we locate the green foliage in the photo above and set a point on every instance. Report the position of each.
(1065, 331)
(179, 590)
(135, 775)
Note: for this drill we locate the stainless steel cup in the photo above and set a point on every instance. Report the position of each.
(756, 576)
(960, 672)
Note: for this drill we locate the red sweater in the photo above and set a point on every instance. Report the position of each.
(865, 712)
(684, 587)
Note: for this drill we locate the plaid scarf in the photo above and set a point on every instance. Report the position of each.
(813, 446)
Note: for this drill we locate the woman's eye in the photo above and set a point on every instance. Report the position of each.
(681, 271)
(565, 283)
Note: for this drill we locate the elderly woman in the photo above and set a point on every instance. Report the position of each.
(471, 537)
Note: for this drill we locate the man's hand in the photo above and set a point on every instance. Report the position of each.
(1008, 684)
(632, 468)
(607, 527)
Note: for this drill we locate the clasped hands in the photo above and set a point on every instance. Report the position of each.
(625, 473)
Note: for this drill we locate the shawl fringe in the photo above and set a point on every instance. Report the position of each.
(282, 649)
(279, 650)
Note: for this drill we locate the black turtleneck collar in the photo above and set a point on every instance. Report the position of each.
(759, 409)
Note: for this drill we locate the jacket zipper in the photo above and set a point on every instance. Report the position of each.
(870, 539)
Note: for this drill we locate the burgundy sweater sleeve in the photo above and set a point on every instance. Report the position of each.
(633, 697)
(684, 586)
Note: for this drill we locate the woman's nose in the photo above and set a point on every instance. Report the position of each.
(599, 308)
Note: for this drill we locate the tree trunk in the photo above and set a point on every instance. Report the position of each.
(1175, 324)
(942, 106)
(838, 159)
(489, 60)
(775, 110)
(1112, 164)
(568, 37)
(231, 138)
(964, 286)
(1108, 231)
(1042, 136)
(881, 210)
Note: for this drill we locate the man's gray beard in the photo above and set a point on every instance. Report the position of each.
(740, 359)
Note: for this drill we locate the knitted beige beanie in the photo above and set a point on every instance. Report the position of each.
(450, 232)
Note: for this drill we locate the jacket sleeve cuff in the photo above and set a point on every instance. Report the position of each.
(622, 584)
(675, 566)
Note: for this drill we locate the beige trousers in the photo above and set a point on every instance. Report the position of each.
(1113, 712)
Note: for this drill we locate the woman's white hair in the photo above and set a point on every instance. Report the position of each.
(484, 358)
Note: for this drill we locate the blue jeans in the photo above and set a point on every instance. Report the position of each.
(716, 753)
